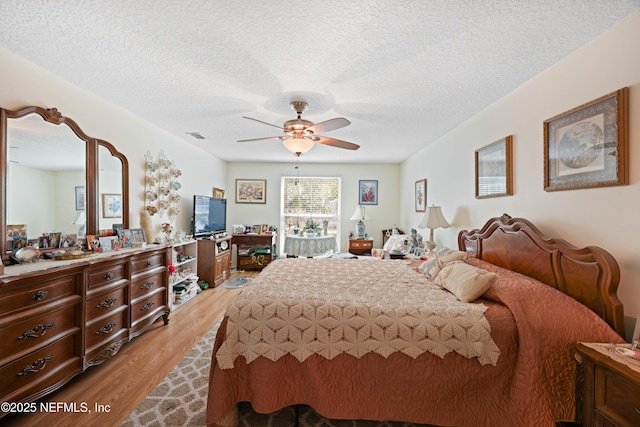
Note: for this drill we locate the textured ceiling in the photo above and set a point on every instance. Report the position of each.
(403, 72)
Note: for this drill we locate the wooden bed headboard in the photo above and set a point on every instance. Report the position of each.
(589, 275)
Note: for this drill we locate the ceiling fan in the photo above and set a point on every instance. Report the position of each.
(300, 135)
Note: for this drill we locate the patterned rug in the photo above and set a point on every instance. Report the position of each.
(181, 398)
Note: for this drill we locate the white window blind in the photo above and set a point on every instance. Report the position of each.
(310, 199)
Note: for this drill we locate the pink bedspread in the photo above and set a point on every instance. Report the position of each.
(533, 325)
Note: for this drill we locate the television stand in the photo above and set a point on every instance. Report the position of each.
(214, 260)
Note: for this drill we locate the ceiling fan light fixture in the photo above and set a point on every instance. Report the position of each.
(298, 146)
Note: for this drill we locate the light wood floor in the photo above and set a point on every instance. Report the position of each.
(125, 380)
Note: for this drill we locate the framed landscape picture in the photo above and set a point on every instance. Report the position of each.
(251, 191)
(588, 146)
(420, 195)
(368, 192)
(494, 172)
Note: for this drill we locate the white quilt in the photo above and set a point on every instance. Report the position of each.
(301, 306)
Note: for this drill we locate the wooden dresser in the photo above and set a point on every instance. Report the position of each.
(259, 250)
(611, 390)
(57, 318)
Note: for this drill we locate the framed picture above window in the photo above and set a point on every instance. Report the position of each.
(588, 146)
(494, 169)
(368, 193)
(251, 191)
(421, 195)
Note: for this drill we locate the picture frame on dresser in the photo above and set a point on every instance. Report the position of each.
(588, 146)
(494, 169)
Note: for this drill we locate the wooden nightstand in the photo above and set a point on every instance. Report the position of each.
(360, 246)
(611, 389)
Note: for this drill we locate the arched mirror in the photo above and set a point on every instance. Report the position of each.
(55, 179)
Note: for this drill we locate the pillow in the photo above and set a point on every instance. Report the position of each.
(432, 267)
(396, 243)
(465, 281)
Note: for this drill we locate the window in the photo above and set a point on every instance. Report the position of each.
(307, 200)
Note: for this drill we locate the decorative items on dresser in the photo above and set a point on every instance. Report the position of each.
(255, 251)
(57, 318)
(610, 392)
(214, 259)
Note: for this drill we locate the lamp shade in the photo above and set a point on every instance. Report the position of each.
(298, 145)
(433, 218)
(359, 214)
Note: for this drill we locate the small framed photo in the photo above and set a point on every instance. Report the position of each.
(588, 146)
(55, 239)
(108, 243)
(251, 191)
(138, 235)
(80, 198)
(126, 238)
(111, 205)
(218, 193)
(368, 192)
(69, 241)
(265, 228)
(494, 169)
(420, 195)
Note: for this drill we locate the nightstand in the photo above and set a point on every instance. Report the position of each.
(611, 388)
(360, 246)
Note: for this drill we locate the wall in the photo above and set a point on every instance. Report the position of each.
(24, 84)
(383, 215)
(602, 216)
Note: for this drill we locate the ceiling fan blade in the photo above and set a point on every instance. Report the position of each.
(259, 139)
(336, 142)
(328, 125)
(260, 121)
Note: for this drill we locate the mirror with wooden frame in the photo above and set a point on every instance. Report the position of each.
(53, 175)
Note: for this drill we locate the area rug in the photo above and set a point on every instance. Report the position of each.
(181, 398)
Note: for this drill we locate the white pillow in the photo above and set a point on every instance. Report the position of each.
(396, 243)
(465, 281)
(434, 265)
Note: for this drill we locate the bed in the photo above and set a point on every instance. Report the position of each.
(378, 340)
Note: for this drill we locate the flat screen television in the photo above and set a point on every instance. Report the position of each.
(209, 216)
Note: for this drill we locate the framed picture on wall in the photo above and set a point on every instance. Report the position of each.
(588, 146)
(420, 195)
(80, 198)
(251, 191)
(368, 192)
(494, 174)
(218, 193)
(111, 205)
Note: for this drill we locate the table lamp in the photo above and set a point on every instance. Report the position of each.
(359, 215)
(433, 219)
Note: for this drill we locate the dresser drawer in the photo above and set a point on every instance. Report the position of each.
(109, 274)
(617, 398)
(108, 302)
(106, 329)
(256, 262)
(147, 262)
(28, 333)
(26, 294)
(145, 307)
(142, 287)
(41, 369)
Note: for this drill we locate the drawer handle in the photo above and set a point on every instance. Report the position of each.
(147, 306)
(108, 276)
(36, 366)
(40, 295)
(106, 329)
(148, 263)
(107, 303)
(37, 332)
(147, 285)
